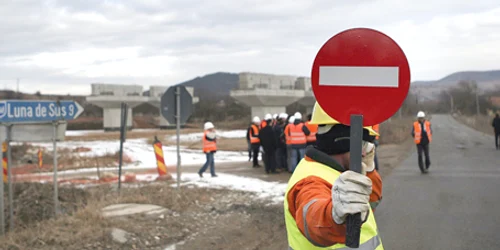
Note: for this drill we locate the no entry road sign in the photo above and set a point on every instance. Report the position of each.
(360, 72)
(22, 111)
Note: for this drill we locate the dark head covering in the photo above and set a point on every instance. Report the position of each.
(337, 139)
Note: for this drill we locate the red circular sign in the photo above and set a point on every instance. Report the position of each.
(360, 71)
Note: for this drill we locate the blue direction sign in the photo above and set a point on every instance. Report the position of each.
(20, 111)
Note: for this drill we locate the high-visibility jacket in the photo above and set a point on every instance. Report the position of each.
(377, 129)
(208, 146)
(418, 131)
(263, 124)
(254, 139)
(313, 128)
(295, 135)
(369, 238)
(286, 132)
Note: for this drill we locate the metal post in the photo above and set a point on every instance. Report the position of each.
(477, 102)
(123, 128)
(354, 221)
(56, 191)
(178, 121)
(9, 178)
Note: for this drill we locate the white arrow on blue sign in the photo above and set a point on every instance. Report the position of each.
(20, 111)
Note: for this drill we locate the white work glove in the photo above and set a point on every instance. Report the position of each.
(368, 161)
(351, 195)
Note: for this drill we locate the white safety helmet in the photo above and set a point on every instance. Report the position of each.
(291, 119)
(256, 119)
(298, 115)
(275, 116)
(268, 117)
(208, 125)
(420, 114)
(283, 115)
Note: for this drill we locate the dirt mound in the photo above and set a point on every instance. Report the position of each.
(202, 218)
(34, 202)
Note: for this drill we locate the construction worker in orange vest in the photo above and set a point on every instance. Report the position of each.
(422, 135)
(322, 191)
(209, 148)
(313, 128)
(253, 134)
(376, 127)
(297, 133)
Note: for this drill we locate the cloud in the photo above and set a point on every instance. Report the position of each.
(55, 43)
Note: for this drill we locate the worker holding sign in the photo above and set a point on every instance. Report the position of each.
(322, 190)
(360, 77)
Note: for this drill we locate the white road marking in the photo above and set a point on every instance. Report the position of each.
(354, 76)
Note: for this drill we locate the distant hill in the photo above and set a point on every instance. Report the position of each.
(213, 85)
(486, 80)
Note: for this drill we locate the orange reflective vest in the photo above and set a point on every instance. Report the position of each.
(295, 135)
(313, 128)
(418, 131)
(208, 146)
(254, 139)
(263, 124)
(286, 132)
(377, 129)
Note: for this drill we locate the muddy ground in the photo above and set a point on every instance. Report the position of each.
(202, 218)
(196, 218)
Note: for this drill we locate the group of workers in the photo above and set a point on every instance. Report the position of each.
(322, 191)
(281, 138)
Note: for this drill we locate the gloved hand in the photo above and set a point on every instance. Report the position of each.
(368, 161)
(351, 195)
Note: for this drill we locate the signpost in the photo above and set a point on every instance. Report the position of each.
(25, 121)
(20, 111)
(177, 107)
(123, 131)
(360, 77)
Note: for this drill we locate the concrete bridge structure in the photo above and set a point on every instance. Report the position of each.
(110, 96)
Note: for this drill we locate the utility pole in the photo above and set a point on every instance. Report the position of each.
(451, 101)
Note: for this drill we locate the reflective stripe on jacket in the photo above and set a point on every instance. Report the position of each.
(296, 134)
(369, 238)
(313, 128)
(418, 131)
(208, 146)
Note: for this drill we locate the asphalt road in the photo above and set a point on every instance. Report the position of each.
(456, 205)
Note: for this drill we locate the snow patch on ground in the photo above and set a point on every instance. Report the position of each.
(221, 134)
(274, 191)
(142, 153)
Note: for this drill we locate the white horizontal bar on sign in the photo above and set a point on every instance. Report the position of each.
(355, 76)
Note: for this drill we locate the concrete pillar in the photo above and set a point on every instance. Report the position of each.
(261, 111)
(112, 119)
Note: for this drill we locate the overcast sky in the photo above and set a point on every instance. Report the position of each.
(61, 46)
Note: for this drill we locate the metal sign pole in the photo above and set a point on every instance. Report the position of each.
(178, 121)
(9, 178)
(354, 221)
(123, 128)
(56, 191)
